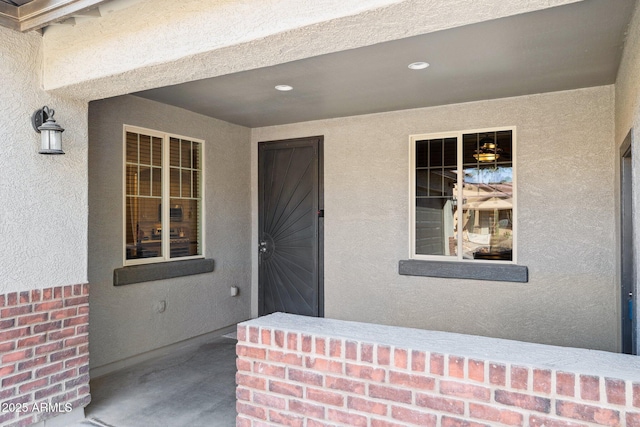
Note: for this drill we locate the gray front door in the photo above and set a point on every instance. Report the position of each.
(290, 226)
(628, 273)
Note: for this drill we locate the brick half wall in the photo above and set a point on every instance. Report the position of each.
(295, 371)
(44, 353)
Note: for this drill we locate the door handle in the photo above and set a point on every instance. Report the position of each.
(262, 247)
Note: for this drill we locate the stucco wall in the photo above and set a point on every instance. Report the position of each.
(43, 214)
(156, 43)
(124, 322)
(565, 217)
(627, 114)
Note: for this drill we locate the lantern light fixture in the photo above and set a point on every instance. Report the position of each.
(489, 150)
(51, 132)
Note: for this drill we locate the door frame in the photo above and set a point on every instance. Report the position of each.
(284, 143)
(628, 274)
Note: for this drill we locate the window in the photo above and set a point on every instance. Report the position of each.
(163, 197)
(463, 196)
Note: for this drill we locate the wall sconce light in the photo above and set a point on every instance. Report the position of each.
(51, 132)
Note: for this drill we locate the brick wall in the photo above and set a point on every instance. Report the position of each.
(291, 378)
(44, 353)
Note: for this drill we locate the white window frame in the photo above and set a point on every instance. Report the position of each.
(412, 195)
(166, 196)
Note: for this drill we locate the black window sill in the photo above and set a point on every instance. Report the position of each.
(465, 270)
(159, 271)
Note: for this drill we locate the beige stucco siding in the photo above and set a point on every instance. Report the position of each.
(124, 320)
(43, 199)
(566, 221)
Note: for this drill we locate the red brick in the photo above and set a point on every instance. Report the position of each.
(251, 381)
(251, 352)
(489, 413)
(365, 372)
(269, 370)
(7, 324)
(251, 411)
(76, 301)
(456, 367)
(366, 353)
(414, 417)
(590, 387)
(75, 341)
(74, 382)
(286, 358)
(64, 354)
(279, 338)
(383, 423)
(321, 346)
(524, 401)
(345, 418)
(7, 416)
(82, 329)
(411, 380)
(519, 377)
(67, 291)
(633, 419)
(243, 394)
(326, 397)
(351, 350)
(48, 370)
(18, 355)
(48, 306)
(73, 321)
(466, 391)
(315, 423)
(48, 348)
(65, 375)
(47, 294)
(35, 295)
(497, 374)
(3, 301)
(615, 391)
(384, 355)
(65, 313)
(77, 289)
(592, 414)
(253, 334)
(27, 387)
(418, 361)
(306, 409)
(306, 377)
(455, 422)
(265, 336)
(24, 297)
(364, 405)
(390, 393)
(292, 341)
(285, 419)
(15, 311)
(7, 346)
(400, 357)
(16, 379)
(14, 333)
(61, 334)
(540, 421)
(32, 341)
(542, 381)
(50, 326)
(351, 386)
(12, 298)
(285, 388)
(636, 395)
(31, 363)
(85, 289)
(41, 394)
(440, 403)
(83, 349)
(268, 400)
(475, 370)
(6, 370)
(436, 364)
(324, 365)
(77, 361)
(241, 333)
(565, 384)
(57, 292)
(335, 348)
(307, 343)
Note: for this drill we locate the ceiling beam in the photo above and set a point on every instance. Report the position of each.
(37, 14)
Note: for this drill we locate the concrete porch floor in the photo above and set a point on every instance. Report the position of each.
(193, 387)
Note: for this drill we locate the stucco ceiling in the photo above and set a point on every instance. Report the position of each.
(567, 47)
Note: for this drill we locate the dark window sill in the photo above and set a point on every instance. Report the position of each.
(465, 270)
(159, 271)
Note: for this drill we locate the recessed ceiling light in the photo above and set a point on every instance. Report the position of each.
(284, 88)
(418, 65)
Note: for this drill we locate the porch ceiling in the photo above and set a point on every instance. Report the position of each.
(561, 48)
(28, 15)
